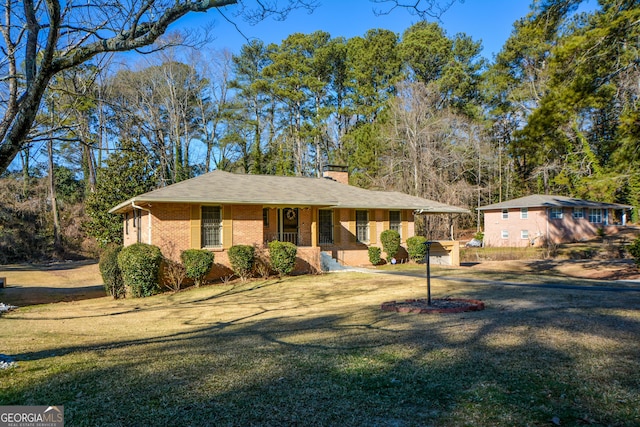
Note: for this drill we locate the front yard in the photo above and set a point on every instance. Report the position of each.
(317, 350)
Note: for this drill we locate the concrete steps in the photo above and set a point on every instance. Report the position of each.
(328, 264)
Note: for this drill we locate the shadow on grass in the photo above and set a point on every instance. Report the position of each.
(532, 355)
(48, 266)
(25, 295)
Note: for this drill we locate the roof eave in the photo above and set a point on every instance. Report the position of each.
(443, 211)
(290, 203)
(547, 206)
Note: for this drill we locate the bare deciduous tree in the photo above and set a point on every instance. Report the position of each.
(422, 8)
(435, 152)
(40, 39)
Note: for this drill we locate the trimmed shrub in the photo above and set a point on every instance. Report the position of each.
(416, 248)
(390, 243)
(242, 258)
(197, 264)
(374, 255)
(110, 272)
(140, 266)
(282, 256)
(634, 250)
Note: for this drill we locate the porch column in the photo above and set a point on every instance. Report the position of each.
(314, 227)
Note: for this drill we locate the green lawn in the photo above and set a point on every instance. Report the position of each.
(317, 350)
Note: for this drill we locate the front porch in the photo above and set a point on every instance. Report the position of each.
(289, 224)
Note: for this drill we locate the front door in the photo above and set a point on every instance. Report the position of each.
(288, 225)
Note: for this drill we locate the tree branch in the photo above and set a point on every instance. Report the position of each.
(422, 8)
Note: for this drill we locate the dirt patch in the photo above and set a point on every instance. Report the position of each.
(441, 305)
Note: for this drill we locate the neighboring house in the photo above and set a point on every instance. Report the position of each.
(220, 209)
(532, 220)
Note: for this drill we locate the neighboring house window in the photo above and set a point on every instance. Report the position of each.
(505, 213)
(362, 226)
(556, 213)
(211, 227)
(524, 213)
(524, 234)
(595, 216)
(126, 223)
(395, 222)
(505, 234)
(578, 213)
(325, 220)
(265, 217)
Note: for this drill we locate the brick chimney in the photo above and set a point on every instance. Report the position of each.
(336, 173)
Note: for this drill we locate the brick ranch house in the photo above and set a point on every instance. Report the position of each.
(532, 220)
(220, 209)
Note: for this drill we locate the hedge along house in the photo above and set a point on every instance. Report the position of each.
(220, 209)
(532, 220)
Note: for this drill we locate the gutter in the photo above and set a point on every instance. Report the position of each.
(133, 205)
(455, 210)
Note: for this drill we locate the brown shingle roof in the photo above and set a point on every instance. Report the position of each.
(228, 188)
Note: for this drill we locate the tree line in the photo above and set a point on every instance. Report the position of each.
(556, 111)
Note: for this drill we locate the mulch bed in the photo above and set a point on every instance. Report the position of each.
(441, 305)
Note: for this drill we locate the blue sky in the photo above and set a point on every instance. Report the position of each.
(488, 20)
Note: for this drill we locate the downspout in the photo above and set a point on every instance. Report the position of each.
(133, 204)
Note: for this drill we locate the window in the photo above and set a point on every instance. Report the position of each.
(555, 213)
(126, 223)
(362, 226)
(524, 213)
(595, 216)
(211, 227)
(265, 217)
(395, 223)
(325, 224)
(505, 213)
(524, 234)
(578, 213)
(505, 234)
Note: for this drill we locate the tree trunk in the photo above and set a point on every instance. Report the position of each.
(57, 238)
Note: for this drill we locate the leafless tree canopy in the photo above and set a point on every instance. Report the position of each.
(42, 38)
(422, 8)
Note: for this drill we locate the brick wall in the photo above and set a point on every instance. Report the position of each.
(304, 225)
(247, 224)
(538, 226)
(171, 231)
(348, 252)
(128, 229)
(171, 225)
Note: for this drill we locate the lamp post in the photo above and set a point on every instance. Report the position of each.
(428, 262)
